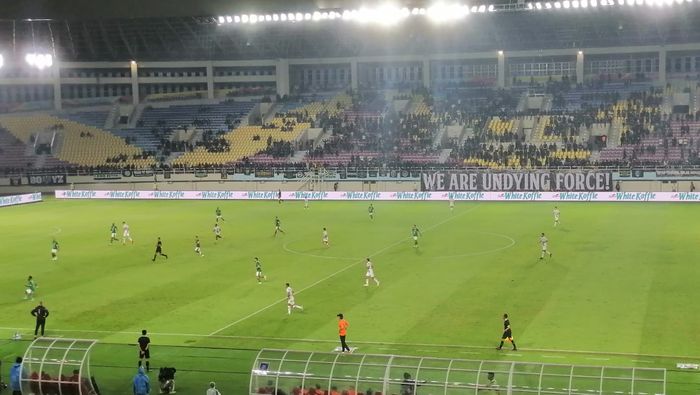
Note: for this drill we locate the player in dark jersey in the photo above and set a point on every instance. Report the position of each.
(159, 250)
(145, 350)
(218, 215)
(507, 333)
(278, 226)
(54, 250)
(415, 233)
(113, 233)
(370, 210)
(279, 196)
(198, 246)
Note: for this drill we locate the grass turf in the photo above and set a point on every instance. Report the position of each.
(616, 292)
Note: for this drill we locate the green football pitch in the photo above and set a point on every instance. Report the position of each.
(620, 289)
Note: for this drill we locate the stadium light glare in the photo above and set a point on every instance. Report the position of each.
(530, 6)
(2, 61)
(222, 20)
(299, 16)
(316, 16)
(566, 4)
(491, 8)
(228, 19)
(557, 4)
(275, 17)
(307, 16)
(594, 3)
(244, 18)
(584, 3)
(548, 5)
(538, 5)
(574, 3)
(39, 60)
(482, 8)
(283, 17)
(253, 19)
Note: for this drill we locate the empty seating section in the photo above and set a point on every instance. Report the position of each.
(140, 137)
(92, 118)
(82, 144)
(497, 126)
(12, 152)
(216, 117)
(244, 142)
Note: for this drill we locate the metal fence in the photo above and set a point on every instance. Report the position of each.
(296, 372)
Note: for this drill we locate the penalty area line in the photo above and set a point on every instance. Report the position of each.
(344, 269)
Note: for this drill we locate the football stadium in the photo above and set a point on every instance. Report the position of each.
(338, 197)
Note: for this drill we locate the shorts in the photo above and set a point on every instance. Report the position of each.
(53, 250)
(144, 354)
(415, 238)
(370, 273)
(258, 273)
(159, 250)
(197, 249)
(114, 235)
(544, 247)
(325, 239)
(127, 235)
(290, 302)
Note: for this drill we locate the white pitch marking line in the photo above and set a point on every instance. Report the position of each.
(403, 240)
(296, 340)
(57, 230)
(598, 359)
(552, 356)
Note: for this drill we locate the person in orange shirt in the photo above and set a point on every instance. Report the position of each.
(343, 331)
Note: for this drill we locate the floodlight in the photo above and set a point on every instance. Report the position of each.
(594, 3)
(316, 16)
(530, 6)
(268, 18)
(275, 17)
(491, 8)
(347, 15)
(2, 61)
(422, 11)
(332, 15)
(620, 2)
(538, 5)
(221, 20)
(584, 3)
(299, 16)
(574, 3)
(566, 4)
(307, 16)
(253, 18)
(39, 60)
(228, 19)
(557, 4)
(630, 3)
(283, 17)
(414, 11)
(500, 53)
(580, 53)
(324, 15)
(548, 5)
(482, 8)
(245, 18)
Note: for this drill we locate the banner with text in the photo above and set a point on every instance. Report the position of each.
(516, 181)
(388, 196)
(19, 199)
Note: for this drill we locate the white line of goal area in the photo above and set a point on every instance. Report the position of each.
(381, 250)
(380, 344)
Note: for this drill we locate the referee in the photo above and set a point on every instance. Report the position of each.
(343, 331)
(145, 350)
(41, 313)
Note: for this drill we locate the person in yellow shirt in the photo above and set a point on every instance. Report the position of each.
(343, 331)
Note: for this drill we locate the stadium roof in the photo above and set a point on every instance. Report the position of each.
(191, 37)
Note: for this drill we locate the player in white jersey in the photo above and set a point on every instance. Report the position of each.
(217, 232)
(544, 244)
(325, 237)
(370, 273)
(555, 212)
(126, 235)
(452, 204)
(306, 203)
(291, 304)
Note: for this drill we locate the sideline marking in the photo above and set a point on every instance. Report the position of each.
(284, 247)
(390, 246)
(378, 343)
